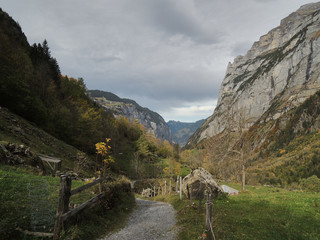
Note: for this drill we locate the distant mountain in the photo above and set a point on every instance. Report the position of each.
(132, 110)
(181, 131)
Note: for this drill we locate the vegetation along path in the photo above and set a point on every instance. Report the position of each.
(151, 220)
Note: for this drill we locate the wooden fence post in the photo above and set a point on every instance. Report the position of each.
(177, 183)
(180, 188)
(63, 205)
(200, 196)
(65, 193)
(165, 187)
(154, 191)
(209, 217)
(170, 187)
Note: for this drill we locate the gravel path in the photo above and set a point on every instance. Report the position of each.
(150, 221)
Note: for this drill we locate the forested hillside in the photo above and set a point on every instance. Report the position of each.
(32, 86)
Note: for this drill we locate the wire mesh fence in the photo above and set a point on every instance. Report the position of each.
(27, 203)
(42, 213)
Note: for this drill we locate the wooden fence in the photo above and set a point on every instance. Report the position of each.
(65, 192)
(164, 189)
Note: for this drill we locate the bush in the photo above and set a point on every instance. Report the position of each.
(311, 184)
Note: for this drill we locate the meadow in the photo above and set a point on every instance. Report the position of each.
(260, 212)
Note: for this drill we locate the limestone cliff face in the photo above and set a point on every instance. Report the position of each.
(278, 73)
(130, 109)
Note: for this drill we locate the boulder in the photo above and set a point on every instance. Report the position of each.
(8, 158)
(198, 182)
(3, 153)
(147, 192)
(13, 154)
(229, 190)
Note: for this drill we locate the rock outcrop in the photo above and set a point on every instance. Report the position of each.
(12, 154)
(278, 73)
(130, 109)
(147, 192)
(197, 182)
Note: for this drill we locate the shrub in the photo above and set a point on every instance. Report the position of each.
(311, 184)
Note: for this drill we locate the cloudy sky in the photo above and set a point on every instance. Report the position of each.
(168, 55)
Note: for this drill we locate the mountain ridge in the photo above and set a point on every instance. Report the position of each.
(266, 123)
(282, 65)
(181, 131)
(130, 109)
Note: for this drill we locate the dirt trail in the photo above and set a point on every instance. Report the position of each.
(150, 221)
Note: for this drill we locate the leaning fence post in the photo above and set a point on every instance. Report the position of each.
(209, 217)
(100, 184)
(63, 204)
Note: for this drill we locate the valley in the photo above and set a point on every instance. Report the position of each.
(263, 139)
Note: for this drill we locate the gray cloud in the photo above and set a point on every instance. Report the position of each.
(174, 17)
(174, 86)
(168, 55)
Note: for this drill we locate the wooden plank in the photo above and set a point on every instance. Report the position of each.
(86, 186)
(37, 234)
(82, 206)
(49, 159)
(48, 164)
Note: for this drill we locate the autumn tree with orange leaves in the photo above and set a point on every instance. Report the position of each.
(103, 151)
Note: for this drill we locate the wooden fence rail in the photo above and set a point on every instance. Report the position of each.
(65, 192)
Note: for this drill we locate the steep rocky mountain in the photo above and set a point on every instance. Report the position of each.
(266, 123)
(181, 131)
(277, 74)
(132, 110)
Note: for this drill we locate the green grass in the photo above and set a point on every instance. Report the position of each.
(258, 213)
(268, 213)
(23, 197)
(27, 197)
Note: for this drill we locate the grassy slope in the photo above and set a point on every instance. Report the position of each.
(24, 194)
(259, 213)
(17, 206)
(14, 129)
(299, 159)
